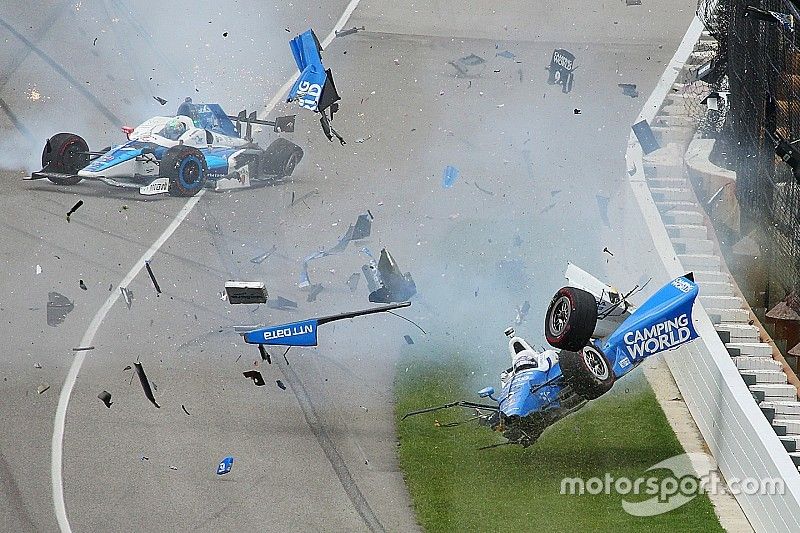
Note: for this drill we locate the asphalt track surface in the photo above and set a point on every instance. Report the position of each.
(320, 455)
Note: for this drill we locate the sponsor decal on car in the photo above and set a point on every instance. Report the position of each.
(157, 186)
(308, 95)
(303, 333)
(659, 337)
(682, 285)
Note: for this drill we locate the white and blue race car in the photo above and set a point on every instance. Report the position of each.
(199, 147)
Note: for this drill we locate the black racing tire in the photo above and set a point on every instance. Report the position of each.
(65, 153)
(186, 168)
(281, 157)
(570, 319)
(587, 371)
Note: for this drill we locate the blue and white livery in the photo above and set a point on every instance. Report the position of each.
(198, 147)
(600, 337)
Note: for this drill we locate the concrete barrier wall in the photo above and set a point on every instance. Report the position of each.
(739, 436)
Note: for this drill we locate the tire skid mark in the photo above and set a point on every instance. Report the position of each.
(64, 74)
(317, 427)
(13, 496)
(5, 76)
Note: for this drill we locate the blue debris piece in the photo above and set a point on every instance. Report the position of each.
(225, 465)
(507, 54)
(450, 176)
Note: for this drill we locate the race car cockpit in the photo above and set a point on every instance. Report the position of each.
(208, 117)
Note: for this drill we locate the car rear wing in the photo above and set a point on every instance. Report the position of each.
(283, 124)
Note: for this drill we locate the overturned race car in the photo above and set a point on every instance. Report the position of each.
(599, 336)
(199, 147)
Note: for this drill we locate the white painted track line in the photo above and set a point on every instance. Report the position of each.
(57, 443)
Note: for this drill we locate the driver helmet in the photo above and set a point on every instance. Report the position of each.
(174, 129)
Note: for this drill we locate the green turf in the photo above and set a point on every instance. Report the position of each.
(456, 487)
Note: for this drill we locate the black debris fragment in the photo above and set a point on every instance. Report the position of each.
(645, 136)
(633, 2)
(314, 291)
(360, 230)
(127, 294)
(83, 348)
(264, 354)
(58, 306)
(602, 205)
(470, 66)
(280, 384)
(110, 287)
(352, 281)
(260, 258)
(351, 31)
(255, 375)
(152, 277)
(628, 89)
(105, 397)
(224, 34)
(148, 392)
(490, 193)
(94, 43)
(127, 367)
(75, 207)
(561, 68)
(281, 303)
(184, 410)
(309, 194)
(386, 282)
(82, 285)
(160, 100)
(606, 250)
(576, 111)
(408, 339)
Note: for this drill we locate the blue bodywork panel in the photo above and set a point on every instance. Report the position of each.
(307, 89)
(531, 390)
(303, 333)
(225, 466)
(663, 322)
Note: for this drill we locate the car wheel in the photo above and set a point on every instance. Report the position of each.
(570, 319)
(65, 153)
(280, 158)
(291, 162)
(186, 169)
(587, 371)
